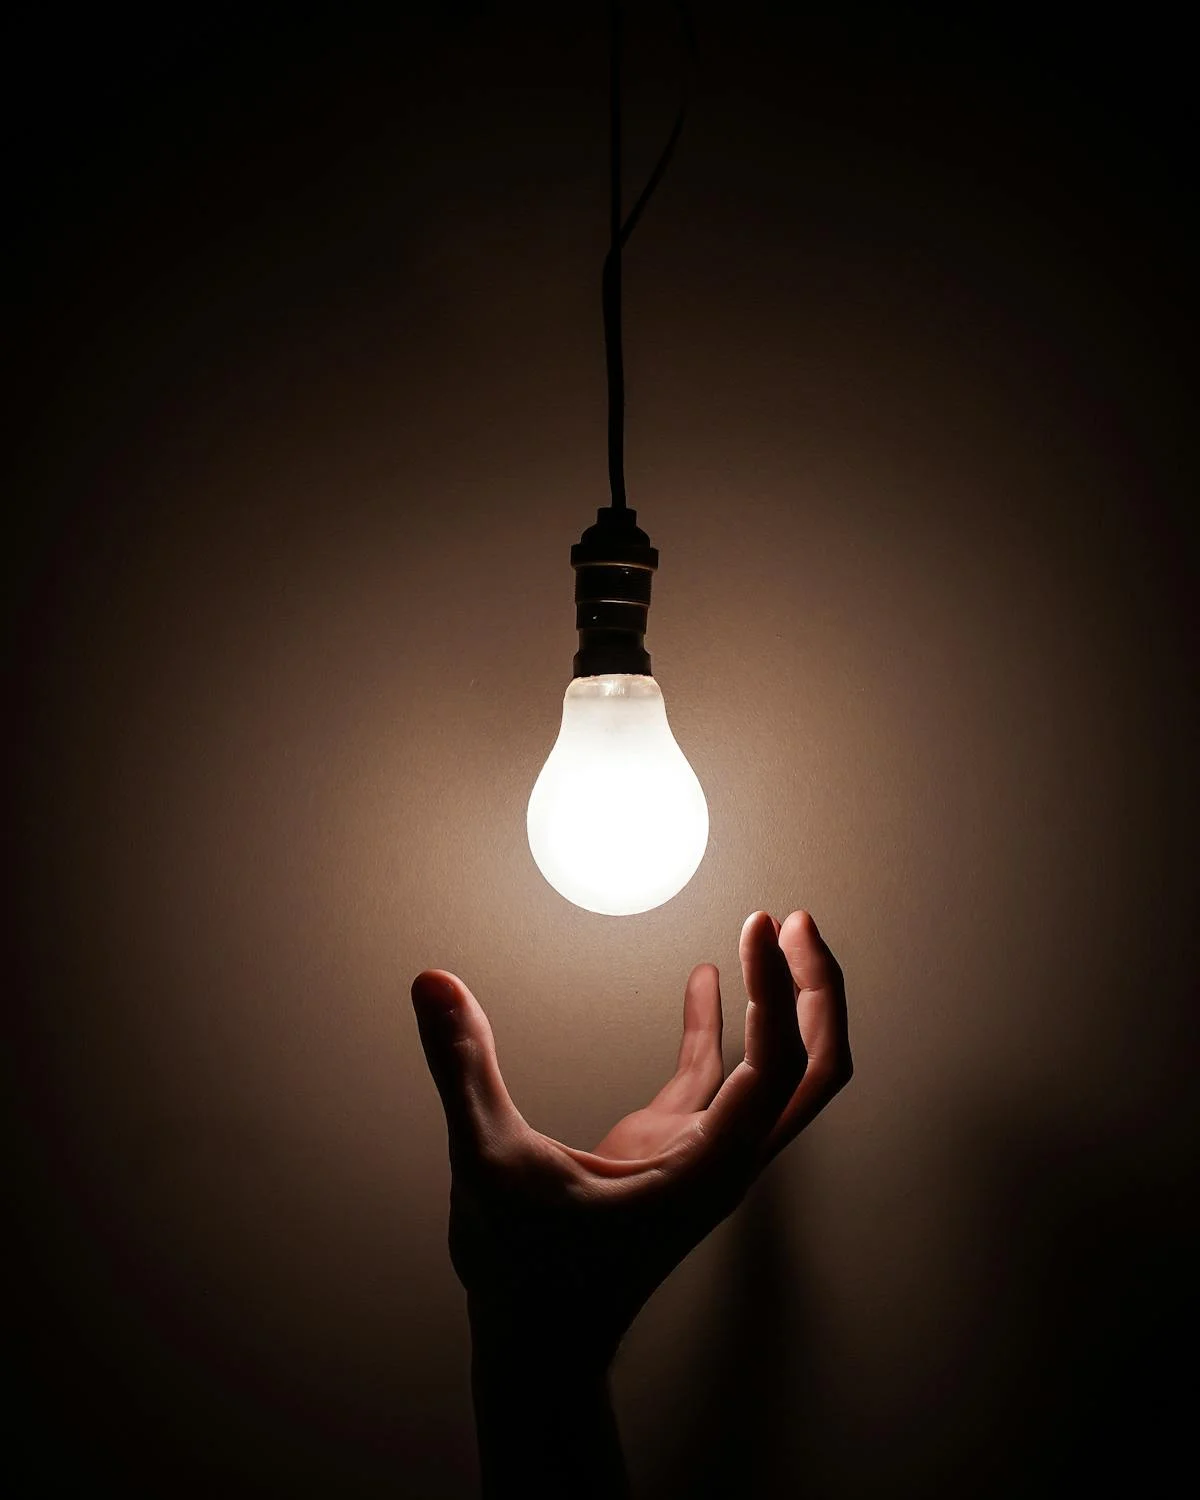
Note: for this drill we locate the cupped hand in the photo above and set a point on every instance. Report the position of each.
(560, 1247)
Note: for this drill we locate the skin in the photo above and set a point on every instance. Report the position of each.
(559, 1248)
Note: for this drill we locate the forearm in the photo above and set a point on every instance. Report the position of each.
(544, 1421)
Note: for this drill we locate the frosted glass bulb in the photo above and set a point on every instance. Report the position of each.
(617, 820)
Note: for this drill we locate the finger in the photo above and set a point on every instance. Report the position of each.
(760, 1087)
(772, 1035)
(808, 957)
(823, 1021)
(461, 1052)
(700, 1067)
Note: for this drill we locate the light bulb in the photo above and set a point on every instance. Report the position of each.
(617, 820)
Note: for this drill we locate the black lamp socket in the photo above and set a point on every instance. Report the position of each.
(614, 567)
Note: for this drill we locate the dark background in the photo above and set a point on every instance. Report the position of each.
(306, 407)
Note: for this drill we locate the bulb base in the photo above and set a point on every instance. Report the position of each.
(614, 567)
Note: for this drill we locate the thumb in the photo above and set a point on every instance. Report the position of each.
(461, 1053)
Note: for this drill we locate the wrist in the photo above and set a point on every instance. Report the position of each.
(546, 1351)
(543, 1413)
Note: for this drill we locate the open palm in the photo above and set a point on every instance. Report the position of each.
(675, 1110)
(567, 1244)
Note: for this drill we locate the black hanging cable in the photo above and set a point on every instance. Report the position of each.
(613, 560)
(619, 232)
(614, 357)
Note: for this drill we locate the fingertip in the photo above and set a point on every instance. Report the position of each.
(799, 925)
(808, 955)
(435, 992)
(702, 984)
(760, 924)
(432, 984)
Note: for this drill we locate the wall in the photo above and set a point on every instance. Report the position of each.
(310, 410)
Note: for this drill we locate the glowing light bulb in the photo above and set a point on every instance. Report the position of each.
(617, 820)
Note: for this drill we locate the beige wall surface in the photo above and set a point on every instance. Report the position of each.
(315, 414)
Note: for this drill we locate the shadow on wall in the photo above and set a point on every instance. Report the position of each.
(1085, 1258)
(752, 1405)
(1076, 1263)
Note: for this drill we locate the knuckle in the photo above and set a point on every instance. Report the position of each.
(833, 1073)
(492, 1156)
(709, 1073)
(496, 1157)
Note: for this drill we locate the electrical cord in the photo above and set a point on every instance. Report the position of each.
(619, 231)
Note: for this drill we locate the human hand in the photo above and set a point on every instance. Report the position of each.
(557, 1247)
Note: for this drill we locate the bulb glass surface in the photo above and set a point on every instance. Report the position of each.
(617, 820)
